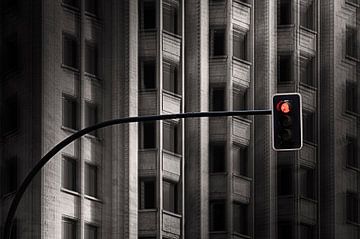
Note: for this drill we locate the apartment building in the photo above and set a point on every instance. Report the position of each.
(68, 64)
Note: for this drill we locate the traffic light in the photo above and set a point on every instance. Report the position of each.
(287, 122)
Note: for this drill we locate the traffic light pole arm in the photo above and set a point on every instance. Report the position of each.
(21, 190)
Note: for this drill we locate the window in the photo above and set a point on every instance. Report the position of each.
(91, 180)
(91, 6)
(73, 3)
(69, 228)
(170, 196)
(91, 58)
(147, 14)
(147, 194)
(217, 215)
(307, 14)
(10, 55)
(284, 16)
(309, 126)
(70, 51)
(351, 42)
(284, 180)
(284, 68)
(148, 75)
(307, 231)
(69, 174)
(307, 183)
(172, 137)
(356, 2)
(240, 45)
(91, 231)
(240, 160)
(70, 112)
(307, 73)
(217, 157)
(147, 135)
(218, 42)
(6, 4)
(351, 97)
(284, 230)
(217, 99)
(352, 152)
(170, 16)
(240, 99)
(170, 78)
(352, 207)
(91, 116)
(10, 113)
(10, 176)
(240, 215)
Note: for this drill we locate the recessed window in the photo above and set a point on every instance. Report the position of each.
(284, 15)
(172, 137)
(351, 96)
(284, 230)
(147, 135)
(307, 14)
(240, 99)
(91, 58)
(307, 183)
(170, 196)
(91, 116)
(240, 214)
(147, 193)
(284, 68)
(10, 55)
(148, 75)
(217, 99)
(240, 159)
(352, 207)
(91, 6)
(171, 16)
(309, 126)
(147, 14)
(7, 4)
(217, 157)
(73, 3)
(10, 176)
(70, 51)
(307, 231)
(69, 174)
(351, 42)
(307, 70)
(217, 215)
(284, 180)
(9, 120)
(217, 37)
(240, 44)
(91, 231)
(91, 180)
(170, 78)
(352, 152)
(70, 112)
(69, 229)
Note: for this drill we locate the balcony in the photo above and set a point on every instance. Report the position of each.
(147, 46)
(241, 14)
(241, 130)
(171, 166)
(171, 103)
(241, 188)
(286, 38)
(309, 97)
(148, 102)
(218, 184)
(147, 162)
(218, 70)
(171, 47)
(218, 128)
(241, 72)
(308, 155)
(147, 221)
(308, 211)
(308, 40)
(172, 224)
(218, 13)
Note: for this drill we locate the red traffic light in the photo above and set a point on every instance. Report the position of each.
(284, 106)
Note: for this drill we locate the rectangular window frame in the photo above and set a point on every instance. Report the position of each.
(351, 43)
(217, 165)
(147, 83)
(143, 196)
(215, 104)
(243, 218)
(91, 116)
(171, 202)
(240, 39)
(148, 128)
(89, 227)
(91, 184)
(74, 112)
(74, 40)
(218, 51)
(70, 184)
(10, 176)
(10, 108)
(92, 60)
(352, 207)
(285, 60)
(217, 223)
(74, 224)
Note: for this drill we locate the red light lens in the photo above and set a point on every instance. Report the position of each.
(285, 107)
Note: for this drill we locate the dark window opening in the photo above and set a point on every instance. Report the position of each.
(70, 51)
(170, 196)
(307, 183)
(147, 194)
(240, 45)
(307, 14)
(217, 157)
(91, 6)
(307, 70)
(91, 231)
(352, 207)
(351, 42)
(284, 68)
(91, 59)
(69, 174)
(9, 4)
(9, 176)
(352, 158)
(70, 112)
(10, 115)
(69, 228)
(170, 78)
(91, 116)
(240, 214)
(170, 17)
(218, 42)
(91, 180)
(284, 180)
(307, 231)
(10, 56)
(309, 126)
(217, 215)
(172, 137)
(147, 135)
(148, 14)
(218, 99)
(240, 157)
(284, 17)
(73, 3)
(240, 100)
(351, 97)
(148, 75)
(284, 230)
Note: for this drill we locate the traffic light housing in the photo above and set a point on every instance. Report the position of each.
(287, 122)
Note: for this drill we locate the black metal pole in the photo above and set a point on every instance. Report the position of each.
(19, 193)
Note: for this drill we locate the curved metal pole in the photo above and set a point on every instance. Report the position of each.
(21, 190)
